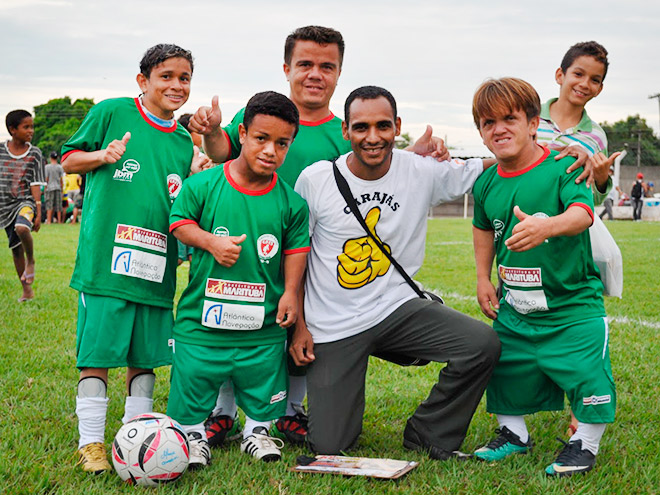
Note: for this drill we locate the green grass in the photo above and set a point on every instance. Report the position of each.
(38, 428)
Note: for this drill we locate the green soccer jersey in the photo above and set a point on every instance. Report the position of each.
(556, 282)
(125, 249)
(315, 141)
(237, 306)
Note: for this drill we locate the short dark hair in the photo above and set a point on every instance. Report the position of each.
(159, 53)
(271, 103)
(497, 97)
(317, 34)
(585, 48)
(54, 154)
(184, 120)
(15, 117)
(368, 93)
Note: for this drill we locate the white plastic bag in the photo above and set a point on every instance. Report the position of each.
(607, 257)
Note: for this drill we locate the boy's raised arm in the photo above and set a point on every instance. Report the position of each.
(81, 162)
(206, 122)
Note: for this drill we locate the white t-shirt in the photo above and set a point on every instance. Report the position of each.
(350, 286)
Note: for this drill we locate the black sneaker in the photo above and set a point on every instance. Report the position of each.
(293, 429)
(414, 441)
(221, 427)
(572, 459)
(506, 443)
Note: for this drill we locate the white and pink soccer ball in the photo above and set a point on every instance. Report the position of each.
(150, 449)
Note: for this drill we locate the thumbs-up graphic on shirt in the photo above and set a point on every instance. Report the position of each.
(362, 260)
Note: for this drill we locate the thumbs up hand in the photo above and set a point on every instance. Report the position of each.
(115, 149)
(530, 232)
(227, 249)
(430, 145)
(206, 119)
(362, 260)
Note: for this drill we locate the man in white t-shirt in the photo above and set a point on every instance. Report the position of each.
(357, 303)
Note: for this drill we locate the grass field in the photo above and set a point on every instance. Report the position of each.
(38, 428)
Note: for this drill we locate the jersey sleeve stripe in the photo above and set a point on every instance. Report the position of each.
(297, 250)
(64, 157)
(228, 141)
(179, 223)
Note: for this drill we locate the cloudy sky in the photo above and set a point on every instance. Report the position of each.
(431, 55)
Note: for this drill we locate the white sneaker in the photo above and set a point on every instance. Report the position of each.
(261, 446)
(200, 453)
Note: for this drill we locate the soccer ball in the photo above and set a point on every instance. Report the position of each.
(150, 449)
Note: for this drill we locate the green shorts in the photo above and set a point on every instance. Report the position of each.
(539, 363)
(258, 374)
(115, 333)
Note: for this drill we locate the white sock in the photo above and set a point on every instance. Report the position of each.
(91, 412)
(251, 424)
(226, 403)
(516, 424)
(590, 434)
(296, 394)
(136, 405)
(198, 428)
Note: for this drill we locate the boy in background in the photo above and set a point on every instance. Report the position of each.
(564, 120)
(54, 185)
(532, 218)
(21, 178)
(250, 234)
(135, 157)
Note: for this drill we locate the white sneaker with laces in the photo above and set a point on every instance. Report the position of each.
(200, 453)
(261, 446)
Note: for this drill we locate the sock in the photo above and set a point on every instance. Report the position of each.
(251, 424)
(590, 434)
(140, 396)
(91, 409)
(516, 424)
(198, 428)
(226, 403)
(296, 394)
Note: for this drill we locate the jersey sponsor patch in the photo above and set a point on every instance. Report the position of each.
(278, 397)
(129, 168)
(232, 316)
(174, 183)
(137, 236)
(138, 264)
(520, 277)
(235, 290)
(267, 247)
(526, 301)
(221, 232)
(595, 400)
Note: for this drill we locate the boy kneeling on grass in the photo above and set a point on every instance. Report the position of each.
(551, 321)
(250, 234)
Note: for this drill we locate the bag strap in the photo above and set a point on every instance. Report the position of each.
(345, 191)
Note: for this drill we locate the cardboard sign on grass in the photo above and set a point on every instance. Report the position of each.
(354, 466)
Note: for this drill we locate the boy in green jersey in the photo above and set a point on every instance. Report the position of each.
(250, 234)
(135, 157)
(532, 218)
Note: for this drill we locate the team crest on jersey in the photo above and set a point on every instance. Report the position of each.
(174, 185)
(128, 169)
(267, 247)
(221, 231)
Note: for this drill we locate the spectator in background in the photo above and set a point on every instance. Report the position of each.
(54, 186)
(637, 194)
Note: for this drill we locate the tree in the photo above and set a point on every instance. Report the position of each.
(633, 131)
(57, 120)
(403, 141)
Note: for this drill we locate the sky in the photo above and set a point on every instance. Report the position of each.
(432, 55)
